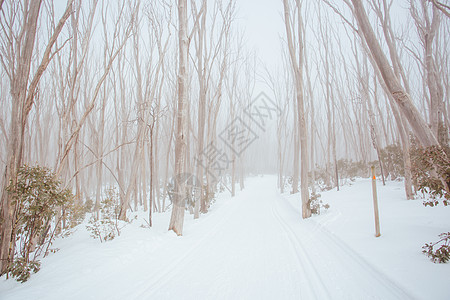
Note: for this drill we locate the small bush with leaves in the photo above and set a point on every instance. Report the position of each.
(37, 197)
(347, 169)
(21, 269)
(431, 172)
(392, 158)
(351, 169)
(442, 254)
(431, 176)
(316, 204)
(106, 226)
(73, 213)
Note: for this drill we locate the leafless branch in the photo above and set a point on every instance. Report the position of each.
(445, 9)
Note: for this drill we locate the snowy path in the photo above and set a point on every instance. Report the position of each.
(256, 251)
(252, 247)
(260, 250)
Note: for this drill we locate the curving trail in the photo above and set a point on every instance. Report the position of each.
(259, 249)
(254, 246)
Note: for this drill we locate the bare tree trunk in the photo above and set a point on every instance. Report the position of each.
(141, 128)
(178, 207)
(427, 32)
(121, 127)
(23, 95)
(298, 75)
(143, 181)
(418, 125)
(150, 204)
(156, 184)
(201, 42)
(376, 136)
(383, 15)
(396, 94)
(330, 107)
(295, 133)
(404, 138)
(18, 86)
(169, 150)
(99, 169)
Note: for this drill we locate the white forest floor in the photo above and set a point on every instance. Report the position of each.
(255, 246)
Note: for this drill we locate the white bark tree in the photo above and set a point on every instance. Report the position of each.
(17, 60)
(297, 66)
(177, 217)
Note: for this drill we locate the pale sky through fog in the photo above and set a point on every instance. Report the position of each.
(263, 24)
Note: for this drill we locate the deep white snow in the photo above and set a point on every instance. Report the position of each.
(255, 246)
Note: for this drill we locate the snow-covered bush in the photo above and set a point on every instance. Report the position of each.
(316, 204)
(106, 226)
(442, 254)
(351, 169)
(38, 197)
(431, 176)
(431, 170)
(73, 214)
(347, 169)
(21, 269)
(392, 158)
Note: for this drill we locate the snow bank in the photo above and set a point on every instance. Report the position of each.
(255, 246)
(406, 225)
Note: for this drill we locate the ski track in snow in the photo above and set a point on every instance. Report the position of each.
(341, 272)
(254, 246)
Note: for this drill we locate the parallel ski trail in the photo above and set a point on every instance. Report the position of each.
(317, 259)
(333, 259)
(160, 277)
(254, 246)
(315, 282)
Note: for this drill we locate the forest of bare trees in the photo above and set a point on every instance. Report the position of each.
(163, 100)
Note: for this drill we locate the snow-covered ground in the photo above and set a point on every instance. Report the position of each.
(255, 246)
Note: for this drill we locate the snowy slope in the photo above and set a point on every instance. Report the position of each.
(405, 227)
(255, 246)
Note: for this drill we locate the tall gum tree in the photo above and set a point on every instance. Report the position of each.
(177, 217)
(17, 61)
(297, 66)
(420, 128)
(401, 97)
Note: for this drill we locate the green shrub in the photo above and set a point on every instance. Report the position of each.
(430, 171)
(350, 169)
(442, 254)
(316, 204)
(106, 226)
(37, 196)
(347, 169)
(73, 214)
(431, 175)
(392, 157)
(21, 269)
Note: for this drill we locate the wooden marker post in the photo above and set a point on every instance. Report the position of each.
(375, 203)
